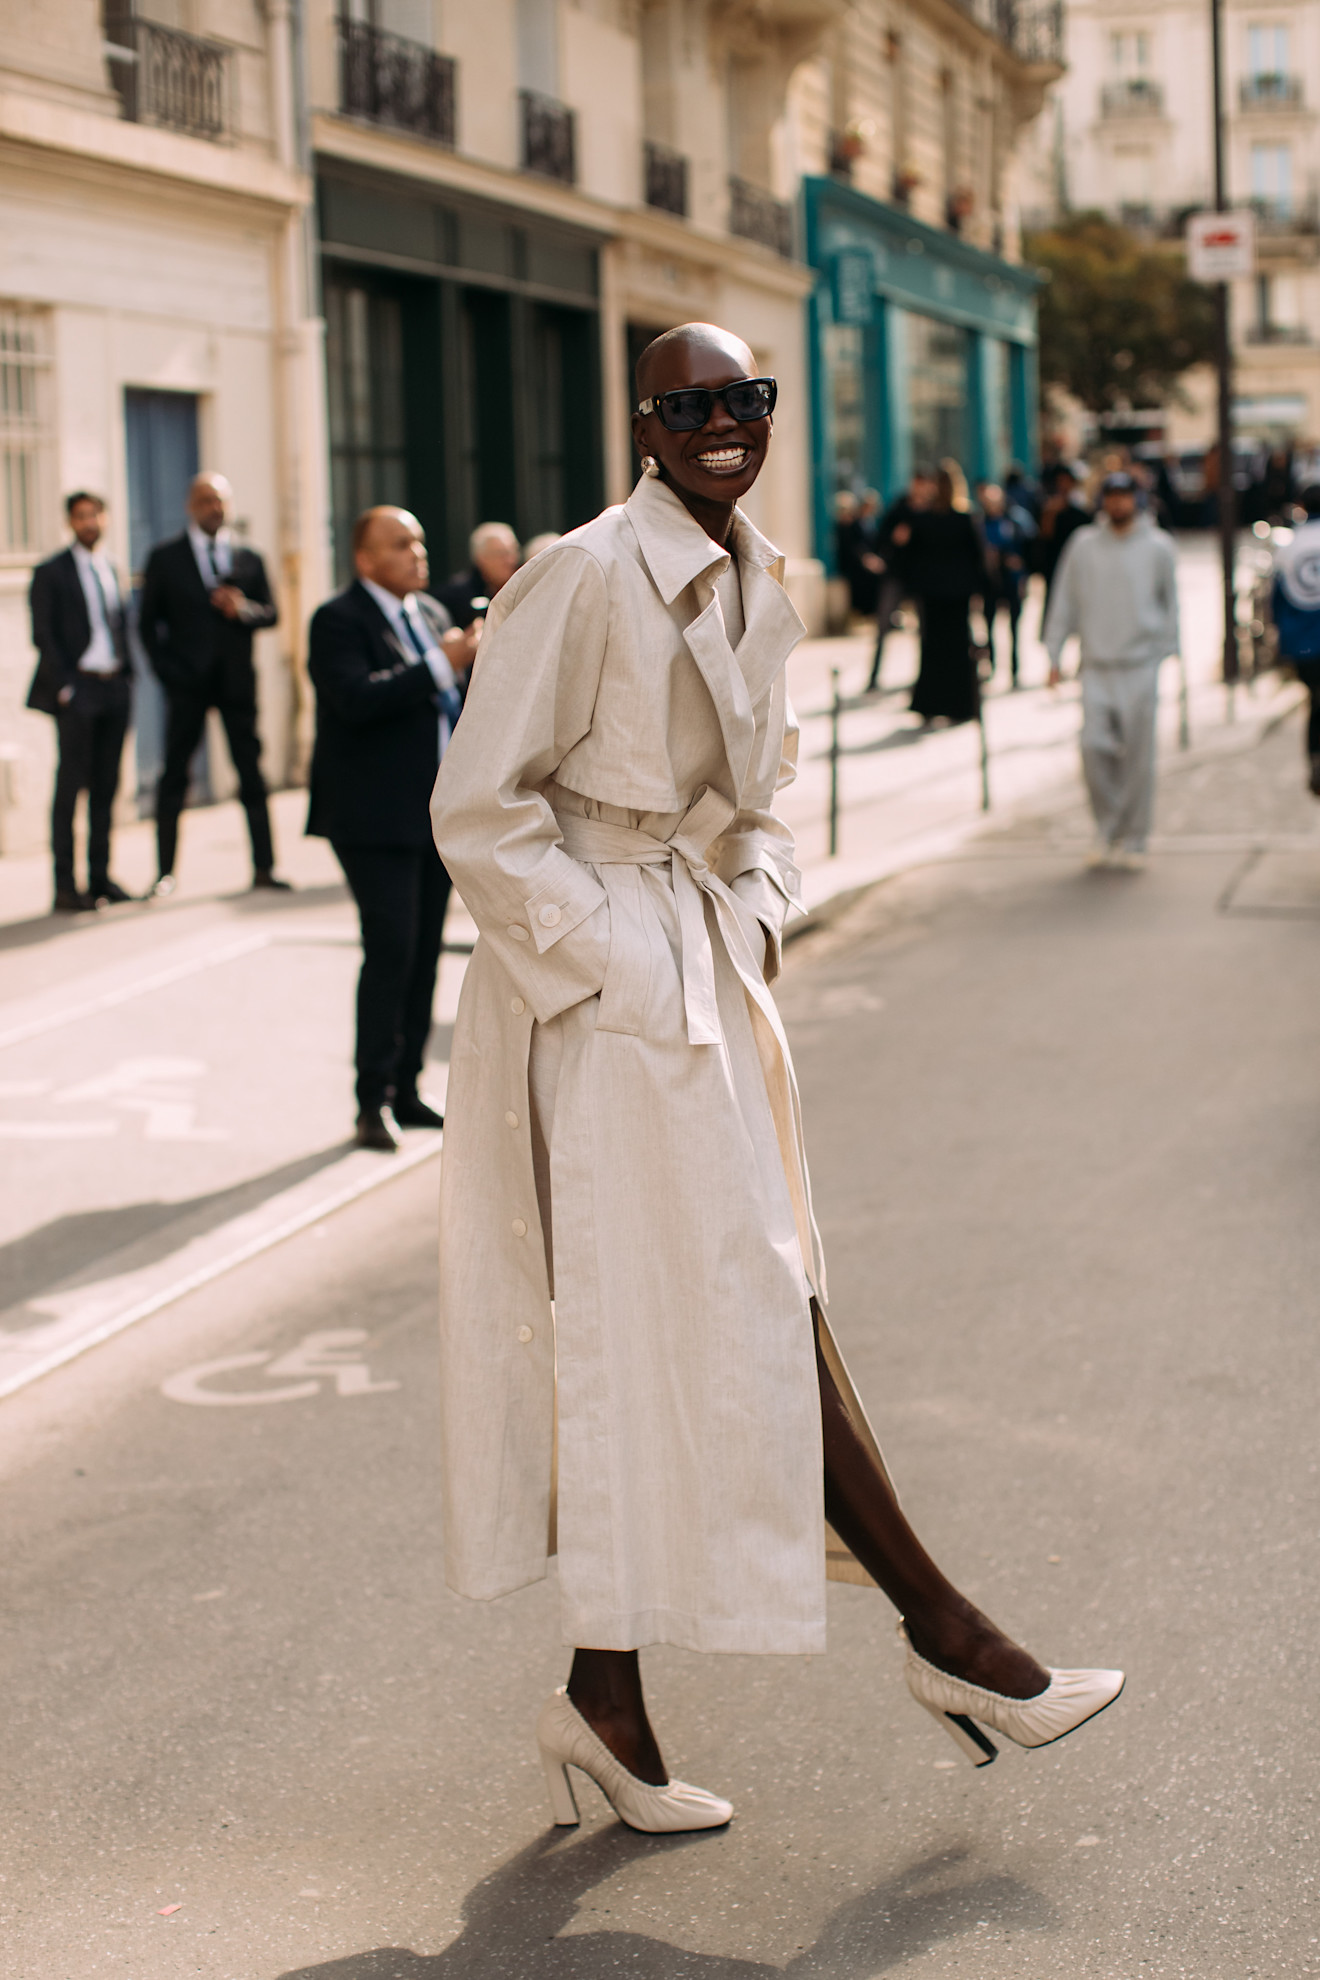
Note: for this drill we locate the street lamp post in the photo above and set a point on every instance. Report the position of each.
(1227, 490)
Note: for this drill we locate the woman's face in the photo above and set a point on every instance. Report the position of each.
(720, 461)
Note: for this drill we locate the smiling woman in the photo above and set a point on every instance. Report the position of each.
(624, 1137)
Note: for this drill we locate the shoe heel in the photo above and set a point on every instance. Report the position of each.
(563, 1803)
(966, 1735)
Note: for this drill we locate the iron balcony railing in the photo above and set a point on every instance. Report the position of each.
(1133, 96)
(388, 79)
(549, 137)
(164, 77)
(757, 216)
(666, 178)
(1031, 29)
(1270, 92)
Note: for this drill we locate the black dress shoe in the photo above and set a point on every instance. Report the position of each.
(416, 1111)
(69, 901)
(264, 878)
(375, 1129)
(110, 890)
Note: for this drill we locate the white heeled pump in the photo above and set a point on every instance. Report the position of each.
(566, 1740)
(1068, 1701)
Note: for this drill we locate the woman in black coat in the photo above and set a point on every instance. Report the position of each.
(945, 569)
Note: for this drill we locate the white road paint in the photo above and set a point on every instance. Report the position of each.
(123, 993)
(86, 1315)
(330, 1355)
(158, 1089)
(57, 1130)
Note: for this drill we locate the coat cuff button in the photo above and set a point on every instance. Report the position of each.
(517, 1006)
(519, 934)
(550, 917)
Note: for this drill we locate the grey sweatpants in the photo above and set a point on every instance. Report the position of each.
(1118, 747)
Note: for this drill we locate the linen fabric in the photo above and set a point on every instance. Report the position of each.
(622, 1109)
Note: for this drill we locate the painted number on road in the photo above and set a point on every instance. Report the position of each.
(332, 1357)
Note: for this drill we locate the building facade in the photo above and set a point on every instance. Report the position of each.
(1134, 139)
(154, 319)
(512, 200)
(906, 128)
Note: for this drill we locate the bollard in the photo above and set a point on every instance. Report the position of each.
(1184, 705)
(984, 740)
(835, 710)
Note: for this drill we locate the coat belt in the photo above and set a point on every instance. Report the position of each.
(598, 843)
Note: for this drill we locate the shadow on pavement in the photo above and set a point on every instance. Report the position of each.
(513, 1918)
(80, 1245)
(50, 927)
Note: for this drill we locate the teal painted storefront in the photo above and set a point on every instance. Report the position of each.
(921, 346)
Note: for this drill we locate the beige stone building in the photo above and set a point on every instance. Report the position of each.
(1131, 133)
(360, 250)
(154, 317)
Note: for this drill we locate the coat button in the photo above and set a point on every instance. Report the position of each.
(524, 1335)
(519, 934)
(550, 917)
(510, 1120)
(519, 1228)
(517, 1006)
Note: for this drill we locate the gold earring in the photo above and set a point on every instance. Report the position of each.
(651, 466)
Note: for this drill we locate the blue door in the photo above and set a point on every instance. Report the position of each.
(161, 433)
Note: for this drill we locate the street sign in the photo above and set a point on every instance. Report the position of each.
(1221, 247)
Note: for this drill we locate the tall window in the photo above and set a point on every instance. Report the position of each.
(1271, 177)
(364, 368)
(1267, 50)
(24, 434)
(1129, 51)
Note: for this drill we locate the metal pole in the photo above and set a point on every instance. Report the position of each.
(835, 710)
(1184, 714)
(1227, 493)
(985, 745)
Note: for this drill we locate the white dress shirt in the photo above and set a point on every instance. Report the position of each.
(397, 610)
(214, 554)
(94, 565)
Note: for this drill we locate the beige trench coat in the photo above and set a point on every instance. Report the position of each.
(622, 1127)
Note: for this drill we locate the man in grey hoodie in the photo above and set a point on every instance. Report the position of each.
(1116, 588)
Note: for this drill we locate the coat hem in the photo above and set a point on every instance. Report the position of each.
(741, 1636)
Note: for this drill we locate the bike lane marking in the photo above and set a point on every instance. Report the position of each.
(329, 1355)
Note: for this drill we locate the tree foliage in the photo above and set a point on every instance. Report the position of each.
(1120, 319)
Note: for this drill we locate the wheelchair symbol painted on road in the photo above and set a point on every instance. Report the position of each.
(319, 1358)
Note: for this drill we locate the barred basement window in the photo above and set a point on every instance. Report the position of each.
(24, 365)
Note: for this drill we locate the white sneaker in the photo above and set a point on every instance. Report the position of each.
(1130, 860)
(1100, 854)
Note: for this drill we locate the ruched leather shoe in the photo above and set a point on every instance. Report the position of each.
(110, 890)
(69, 901)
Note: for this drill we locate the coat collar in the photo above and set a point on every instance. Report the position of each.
(677, 549)
(678, 553)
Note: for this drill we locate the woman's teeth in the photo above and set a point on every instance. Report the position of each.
(723, 458)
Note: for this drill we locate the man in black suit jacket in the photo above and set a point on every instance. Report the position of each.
(496, 555)
(386, 665)
(203, 597)
(80, 632)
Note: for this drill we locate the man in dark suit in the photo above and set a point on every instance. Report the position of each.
(387, 665)
(203, 597)
(80, 632)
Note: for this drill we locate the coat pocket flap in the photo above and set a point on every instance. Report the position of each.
(562, 904)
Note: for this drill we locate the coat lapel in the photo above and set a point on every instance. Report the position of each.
(678, 553)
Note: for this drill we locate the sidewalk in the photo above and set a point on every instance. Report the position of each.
(175, 1077)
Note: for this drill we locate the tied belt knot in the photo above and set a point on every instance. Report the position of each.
(597, 843)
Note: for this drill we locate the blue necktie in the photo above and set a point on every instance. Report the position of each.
(451, 701)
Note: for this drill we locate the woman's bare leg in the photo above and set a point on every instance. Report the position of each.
(942, 1625)
(606, 1688)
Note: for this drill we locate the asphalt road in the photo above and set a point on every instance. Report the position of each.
(1065, 1132)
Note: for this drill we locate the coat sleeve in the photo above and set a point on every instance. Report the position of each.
(260, 609)
(1061, 621)
(45, 627)
(340, 662)
(756, 854)
(150, 615)
(530, 701)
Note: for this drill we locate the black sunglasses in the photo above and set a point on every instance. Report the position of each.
(683, 412)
